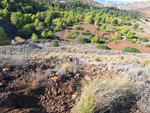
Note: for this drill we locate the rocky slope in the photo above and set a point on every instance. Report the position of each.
(142, 6)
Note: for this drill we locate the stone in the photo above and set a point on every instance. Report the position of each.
(73, 97)
(19, 39)
(6, 69)
(55, 78)
(54, 90)
(87, 78)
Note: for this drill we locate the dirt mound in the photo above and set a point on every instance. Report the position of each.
(120, 45)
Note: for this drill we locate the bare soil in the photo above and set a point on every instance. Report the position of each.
(91, 28)
(34, 87)
(120, 45)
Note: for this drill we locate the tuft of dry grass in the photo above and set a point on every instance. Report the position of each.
(68, 67)
(105, 95)
(146, 63)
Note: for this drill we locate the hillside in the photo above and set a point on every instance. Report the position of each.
(142, 6)
(73, 57)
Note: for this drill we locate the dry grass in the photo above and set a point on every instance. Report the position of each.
(105, 94)
(68, 67)
(146, 63)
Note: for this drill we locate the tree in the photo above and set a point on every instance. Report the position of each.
(136, 25)
(34, 37)
(130, 34)
(40, 25)
(26, 30)
(36, 23)
(117, 36)
(66, 33)
(3, 35)
(48, 20)
(51, 35)
(95, 39)
(43, 34)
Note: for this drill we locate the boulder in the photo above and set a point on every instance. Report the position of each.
(19, 39)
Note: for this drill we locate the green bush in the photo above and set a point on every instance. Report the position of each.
(131, 50)
(4, 42)
(86, 33)
(75, 34)
(95, 39)
(143, 39)
(76, 27)
(148, 45)
(117, 36)
(34, 37)
(138, 43)
(101, 46)
(54, 43)
(130, 40)
(83, 40)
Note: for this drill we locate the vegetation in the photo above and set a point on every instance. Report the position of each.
(75, 34)
(83, 40)
(34, 37)
(130, 40)
(105, 94)
(143, 39)
(148, 45)
(54, 43)
(95, 39)
(3, 37)
(101, 46)
(86, 33)
(76, 27)
(131, 50)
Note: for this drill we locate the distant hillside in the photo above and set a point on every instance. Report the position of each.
(95, 3)
(141, 6)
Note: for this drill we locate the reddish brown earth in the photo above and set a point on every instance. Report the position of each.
(142, 34)
(94, 31)
(61, 34)
(90, 28)
(120, 45)
(27, 88)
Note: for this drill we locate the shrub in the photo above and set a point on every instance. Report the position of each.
(86, 33)
(75, 34)
(95, 39)
(138, 43)
(147, 45)
(76, 27)
(130, 40)
(117, 36)
(106, 95)
(51, 35)
(54, 43)
(142, 39)
(66, 33)
(131, 50)
(34, 37)
(5, 42)
(3, 36)
(130, 34)
(101, 46)
(83, 40)
(103, 37)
